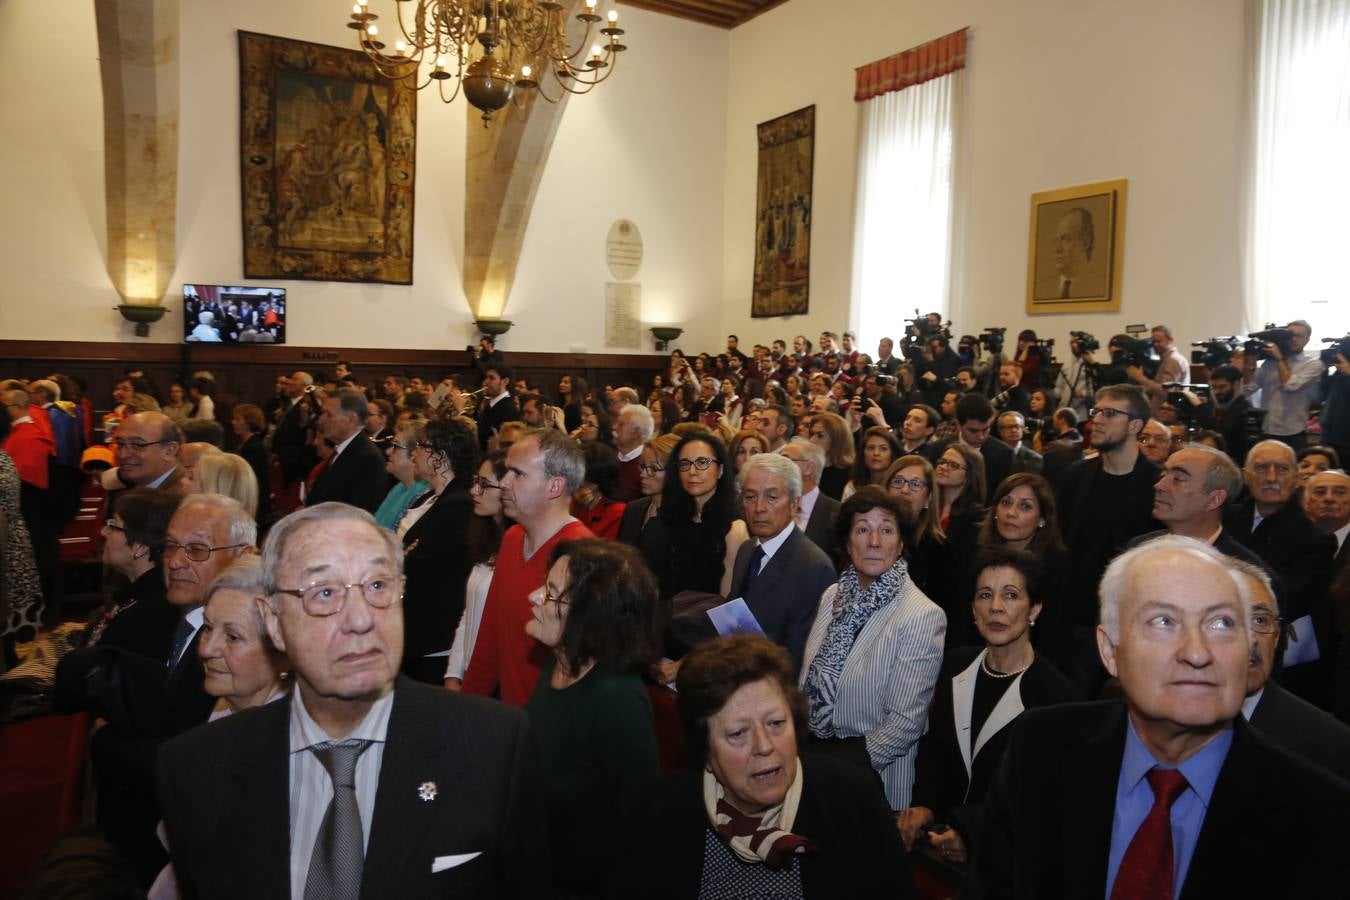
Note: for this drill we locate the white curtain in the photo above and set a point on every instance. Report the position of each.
(903, 225)
(1297, 230)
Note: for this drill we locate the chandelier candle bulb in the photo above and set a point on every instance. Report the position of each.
(613, 16)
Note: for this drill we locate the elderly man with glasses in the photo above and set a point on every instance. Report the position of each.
(361, 776)
(147, 448)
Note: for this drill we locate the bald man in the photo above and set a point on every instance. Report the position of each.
(147, 448)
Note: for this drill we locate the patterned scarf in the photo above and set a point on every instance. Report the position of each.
(766, 838)
(853, 607)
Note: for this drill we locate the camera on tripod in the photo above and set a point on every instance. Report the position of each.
(991, 339)
(1217, 351)
(1083, 342)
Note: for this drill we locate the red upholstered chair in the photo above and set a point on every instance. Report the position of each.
(669, 730)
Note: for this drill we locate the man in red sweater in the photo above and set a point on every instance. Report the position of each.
(543, 468)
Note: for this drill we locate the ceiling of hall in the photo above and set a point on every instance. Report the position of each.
(722, 13)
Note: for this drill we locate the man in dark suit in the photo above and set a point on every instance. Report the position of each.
(362, 783)
(1294, 724)
(1066, 448)
(780, 574)
(1227, 411)
(917, 430)
(1273, 525)
(290, 440)
(1326, 500)
(147, 701)
(1162, 794)
(356, 473)
(497, 407)
(816, 512)
(974, 419)
(1012, 427)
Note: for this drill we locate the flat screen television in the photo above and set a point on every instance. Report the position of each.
(222, 314)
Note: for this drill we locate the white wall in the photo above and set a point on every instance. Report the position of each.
(1059, 92)
(612, 158)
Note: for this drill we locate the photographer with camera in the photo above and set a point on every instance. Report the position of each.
(1077, 379)
(936, 371)
(1172, 368)
(1335, 415)
(1224, 411)
(1012, 397)
(1288, 380)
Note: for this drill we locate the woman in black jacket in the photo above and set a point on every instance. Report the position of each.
(435, 563)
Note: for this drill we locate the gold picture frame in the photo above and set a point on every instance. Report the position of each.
(1076, 248)
(328, 157)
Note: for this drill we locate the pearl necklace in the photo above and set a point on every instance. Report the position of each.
(994, 673)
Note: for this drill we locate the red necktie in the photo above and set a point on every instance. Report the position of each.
(1146, 870)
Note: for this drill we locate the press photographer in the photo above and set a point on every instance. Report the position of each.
(1220, 408)
(1172, 367)
(1335, 415)
(1287, 379)
(1077, 379)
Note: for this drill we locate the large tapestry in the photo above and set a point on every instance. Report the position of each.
(783, 214)
(328, 147)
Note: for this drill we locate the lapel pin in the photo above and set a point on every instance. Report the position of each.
(427, 790)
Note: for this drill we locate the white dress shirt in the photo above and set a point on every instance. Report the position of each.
(312, 787)
(808, 503)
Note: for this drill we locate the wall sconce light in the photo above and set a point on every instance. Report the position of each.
(494, 327)
(142, 316)
(664, 334)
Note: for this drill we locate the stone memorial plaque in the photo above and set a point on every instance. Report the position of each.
(623, 249)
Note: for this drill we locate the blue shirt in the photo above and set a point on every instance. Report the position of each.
(1134, 798)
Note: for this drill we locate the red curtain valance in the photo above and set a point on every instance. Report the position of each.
(913, 66)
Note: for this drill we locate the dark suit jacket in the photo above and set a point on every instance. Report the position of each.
(492, 418)
(1058, 455)
(225, 797)
(820, 527)
(255, 454)
(998, 463)
(633, 521)
(1048, 815)
(1026, 460)
(290, 443)
(357, 477)
(436, 564)
(1303, 729)
(841, 810)
(786, 593)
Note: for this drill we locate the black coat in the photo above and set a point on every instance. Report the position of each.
(290, 442)
(255, 454)
(492, 418)
(1058, 455)
(841, 811)
(820, 527)
(225, 797)
(357, 476)
(1048, 815)
(1303, 729)
(436, 566)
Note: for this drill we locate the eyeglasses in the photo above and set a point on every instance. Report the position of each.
(135, 446)
(110, 525)
(1106, 412)
(422, 445)
(701, 463)
(326, 598)
(194, 552)
(950, 464)
(1159, 439)
(397, 446)
(651, 468)
(550, 597)
(1266, 623)
(914, 484)
(483, 484)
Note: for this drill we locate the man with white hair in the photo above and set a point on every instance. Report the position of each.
(1154, 795)
(1326, 500)
(360, 778)
(355, 474)
(290, 440)
(632, 429)
(816, 512)
(780, 574)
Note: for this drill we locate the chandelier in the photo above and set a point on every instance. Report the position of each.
(524, 47)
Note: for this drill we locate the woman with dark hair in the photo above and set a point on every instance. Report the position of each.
(203, 391)
(932, 566)
(435, 566)
(692, 543)
(249, 426)
(652, 466)
(830, 432)
(485, 537)
(599, 501)
(980, 693)
(590, 714)
(572, 390)
(1022, 516)
(728, 401)
(875, 648)
(686, 396)
(752, 817)
(665, 414)
(1040, 411)
(595, 424)
(746, 444)
(961, 492)
(1028, 357)
(879, 450)
(1315, 459)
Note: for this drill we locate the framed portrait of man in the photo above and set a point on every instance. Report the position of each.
(1076, 248)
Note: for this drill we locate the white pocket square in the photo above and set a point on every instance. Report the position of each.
(441, 863)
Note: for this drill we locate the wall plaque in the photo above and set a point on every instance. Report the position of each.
(623, 249)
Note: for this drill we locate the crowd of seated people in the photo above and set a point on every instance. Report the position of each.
(856, 574)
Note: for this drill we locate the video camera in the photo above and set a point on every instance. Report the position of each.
(1137, 352)
(918, 332)
(1181, 403)
(1085, 342)
(992, 339)
(1339, 345)
(1218, 351)
(1273, 334)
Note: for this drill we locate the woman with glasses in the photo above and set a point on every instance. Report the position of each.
(830, 432)
(435, 566)
(485, 537)
(691, 544)
(590, 714)
(398, 462)
(980, 692)
(879, 450)
(912, 481)
(595, 423)
(599, 502)
(959, 473)
(652, 465)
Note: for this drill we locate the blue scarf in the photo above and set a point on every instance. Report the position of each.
(853, 607)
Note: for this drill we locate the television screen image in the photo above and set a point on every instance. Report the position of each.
(218, 314)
